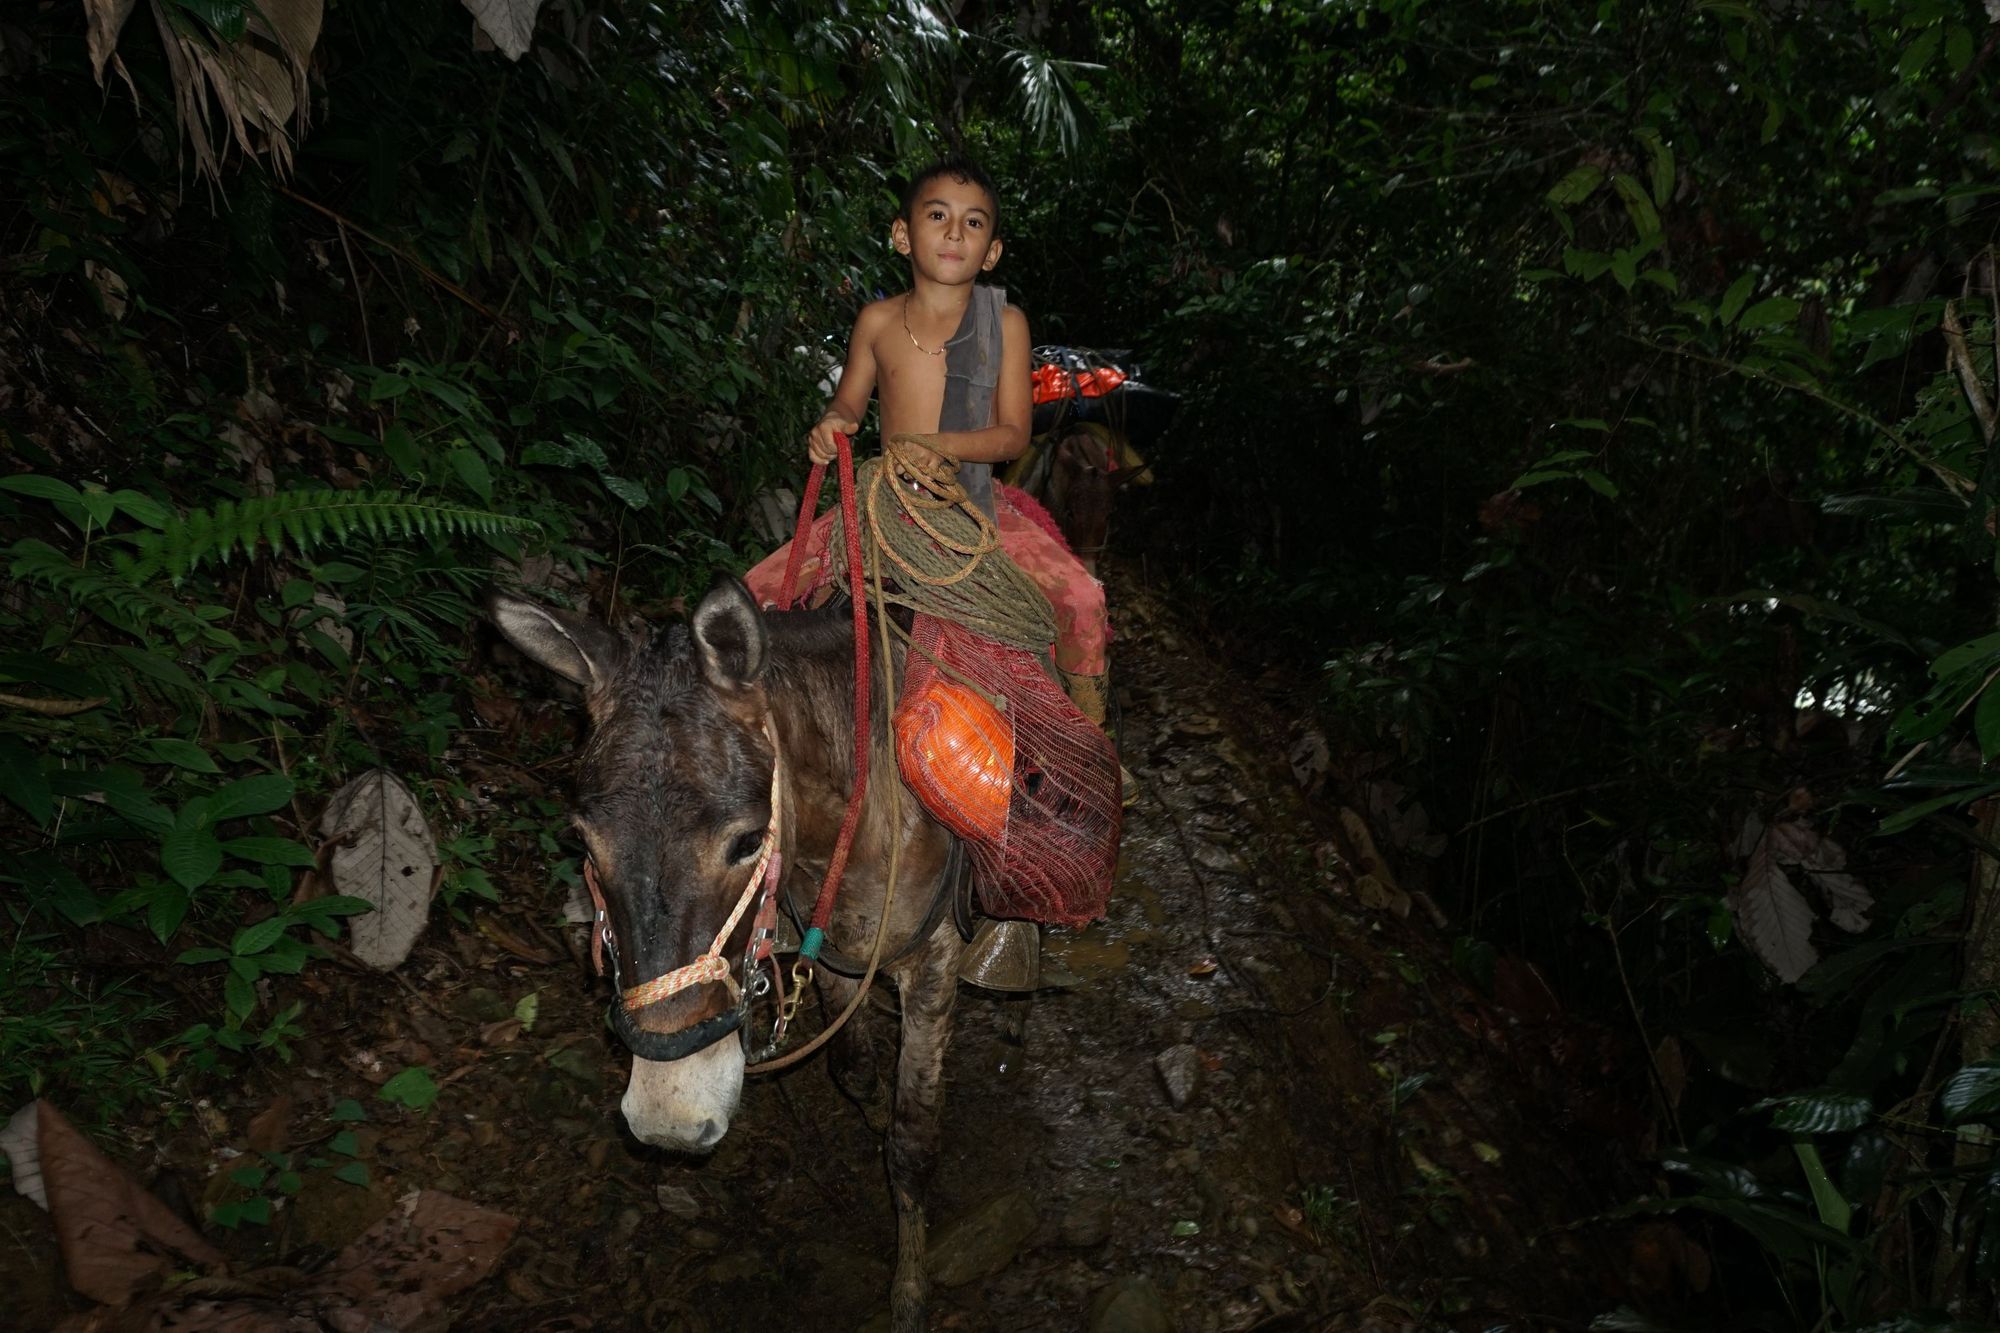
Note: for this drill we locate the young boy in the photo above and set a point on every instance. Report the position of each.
(949, 358)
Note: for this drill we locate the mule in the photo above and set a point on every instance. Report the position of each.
(674, 804)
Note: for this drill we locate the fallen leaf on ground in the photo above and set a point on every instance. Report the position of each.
(24, 1155)
(1383, 897)
(491, 927)
(384, 853)
(432, 1247)
(117, 1240)
(270, 1129)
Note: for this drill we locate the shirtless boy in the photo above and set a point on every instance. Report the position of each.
(979, 411)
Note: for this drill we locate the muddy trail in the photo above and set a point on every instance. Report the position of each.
(1263, 1101)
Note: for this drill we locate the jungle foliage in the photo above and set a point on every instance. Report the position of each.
(1601, 397)
(1597, 399)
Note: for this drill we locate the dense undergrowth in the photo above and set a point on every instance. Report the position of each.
(1597, 399)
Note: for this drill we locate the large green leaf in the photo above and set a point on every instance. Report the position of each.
(23, 782)
(250, 796)
(1823, 1111)
(1576, 186)
(414, 1088)
(168, 750)
(1972, 1093)
(166, 909)
(1733, 299)
(42, 488)
(229, 18)
(191, 856)
(252, 940)
(269, 851)
(1638, 205)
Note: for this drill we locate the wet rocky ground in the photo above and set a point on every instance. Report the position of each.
(1266, 1100)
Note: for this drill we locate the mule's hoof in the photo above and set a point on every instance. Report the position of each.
(1004, 956)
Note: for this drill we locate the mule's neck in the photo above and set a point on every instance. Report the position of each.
(809, 686)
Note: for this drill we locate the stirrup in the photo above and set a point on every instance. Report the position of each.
(1003, 956)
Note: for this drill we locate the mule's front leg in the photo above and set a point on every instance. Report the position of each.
(929, 990)
(853, 1057)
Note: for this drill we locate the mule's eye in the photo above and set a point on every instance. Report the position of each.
(746, 846)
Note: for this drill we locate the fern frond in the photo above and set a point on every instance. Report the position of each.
(305, 519)
(114, 598)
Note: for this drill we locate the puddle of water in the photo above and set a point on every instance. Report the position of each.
(1089, 956)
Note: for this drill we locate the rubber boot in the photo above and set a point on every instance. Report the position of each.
(1003, 956)
(1087, 693)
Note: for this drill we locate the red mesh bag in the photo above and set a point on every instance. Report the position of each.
(1053, 856)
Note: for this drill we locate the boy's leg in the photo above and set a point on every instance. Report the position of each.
(1078, 599)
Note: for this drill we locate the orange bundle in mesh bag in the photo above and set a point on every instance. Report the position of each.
(1031, 786)
(957, 752)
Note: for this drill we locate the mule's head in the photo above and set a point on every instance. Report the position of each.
(673, 799)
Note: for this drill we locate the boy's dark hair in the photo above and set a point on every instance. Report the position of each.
(961, 169)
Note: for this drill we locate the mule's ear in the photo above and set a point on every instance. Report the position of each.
(730, 635)
(573, 646)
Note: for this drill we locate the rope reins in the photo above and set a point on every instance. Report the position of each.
(815, 937)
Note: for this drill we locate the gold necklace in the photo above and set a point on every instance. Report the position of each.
(912, 332)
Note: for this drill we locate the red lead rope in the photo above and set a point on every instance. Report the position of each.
(850, 525)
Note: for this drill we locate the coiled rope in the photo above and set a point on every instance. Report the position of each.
(936, 552)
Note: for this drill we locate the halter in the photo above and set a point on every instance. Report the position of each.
(709, 966)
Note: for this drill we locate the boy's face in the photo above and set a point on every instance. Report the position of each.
(949, 233)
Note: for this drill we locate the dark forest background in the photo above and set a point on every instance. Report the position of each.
(1589, 405)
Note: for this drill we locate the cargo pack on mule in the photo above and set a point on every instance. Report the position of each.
(726, 781)
(1092, 416)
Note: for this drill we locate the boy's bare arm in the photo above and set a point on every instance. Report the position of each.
(1013, 404)
(850, 399)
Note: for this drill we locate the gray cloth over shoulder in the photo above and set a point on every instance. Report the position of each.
(971, 373)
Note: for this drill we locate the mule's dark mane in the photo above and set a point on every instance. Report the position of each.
(812, 674)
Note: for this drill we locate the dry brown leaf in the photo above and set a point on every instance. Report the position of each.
(1382, 897)
(106, 19)
(51, 707)
(1825, 863)
(117, 1240)
(385, 853)
(432, 1247)
(113, 296)
(1773, 916)
(190, 1315)
(257, 84)
(500, 1033)
(1309, 758)
(510, 24)
(509, 942)
(271, 1128)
